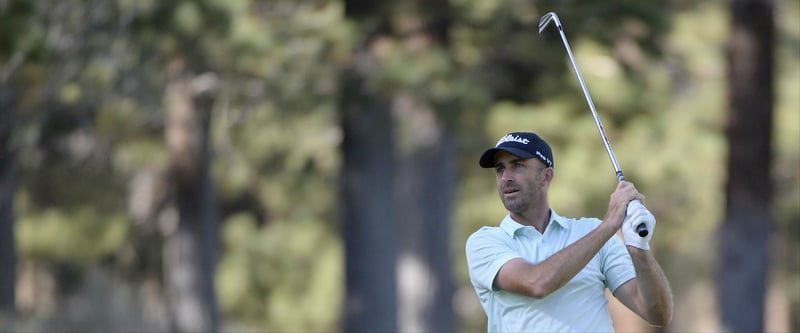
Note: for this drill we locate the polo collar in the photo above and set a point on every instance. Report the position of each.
(510, 226)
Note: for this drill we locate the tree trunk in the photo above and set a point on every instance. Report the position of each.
(426, 183)
(424, 178)
(368, 174)
(744, 235)
(190, 249)
(368, 216)
(8, 255)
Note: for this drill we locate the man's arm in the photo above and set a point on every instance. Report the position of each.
(649, 294)
(539, 280)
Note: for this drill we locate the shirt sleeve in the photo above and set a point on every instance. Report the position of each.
(487, 251)
(617, 264)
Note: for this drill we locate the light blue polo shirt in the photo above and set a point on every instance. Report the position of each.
(578, 306)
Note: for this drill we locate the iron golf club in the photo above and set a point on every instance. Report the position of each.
(641, 229)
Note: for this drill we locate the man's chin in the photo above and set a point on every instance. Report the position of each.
(513, 207)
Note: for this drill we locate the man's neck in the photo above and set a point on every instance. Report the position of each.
(537, 218)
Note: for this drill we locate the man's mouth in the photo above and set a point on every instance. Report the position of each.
(510, 191)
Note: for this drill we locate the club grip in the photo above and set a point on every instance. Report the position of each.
(641, 229)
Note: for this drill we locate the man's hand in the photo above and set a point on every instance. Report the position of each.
(638, 214)
(618, 205)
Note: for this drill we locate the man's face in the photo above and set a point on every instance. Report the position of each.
(520, 182)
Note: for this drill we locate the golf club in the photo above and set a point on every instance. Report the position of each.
(641, 229)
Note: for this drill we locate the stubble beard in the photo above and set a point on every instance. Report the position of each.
(526, 197)
(515, 206)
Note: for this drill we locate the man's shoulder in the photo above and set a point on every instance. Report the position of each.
(488, 231)
(487, 235)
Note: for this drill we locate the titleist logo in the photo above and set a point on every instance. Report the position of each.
(513, 138)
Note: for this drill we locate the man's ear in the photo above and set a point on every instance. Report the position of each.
(549, 173)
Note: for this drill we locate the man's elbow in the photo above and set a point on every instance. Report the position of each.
(537, 293)
(662, 318)
(539, 290)
(660, 323)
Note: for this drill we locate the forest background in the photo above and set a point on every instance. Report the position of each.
(307, 165)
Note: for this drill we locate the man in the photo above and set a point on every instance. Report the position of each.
(542, 272)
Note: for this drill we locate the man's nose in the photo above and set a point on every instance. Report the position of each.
(506, 176)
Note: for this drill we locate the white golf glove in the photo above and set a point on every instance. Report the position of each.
(636, 215)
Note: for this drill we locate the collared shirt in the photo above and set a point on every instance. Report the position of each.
(578, 306)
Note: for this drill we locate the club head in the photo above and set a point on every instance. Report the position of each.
(545, 20)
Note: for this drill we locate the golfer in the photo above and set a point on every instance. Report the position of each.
(541, 272)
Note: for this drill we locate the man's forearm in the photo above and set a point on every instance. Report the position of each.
(556, 271)
(655, 294)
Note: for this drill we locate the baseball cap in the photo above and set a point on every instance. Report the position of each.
(520, 144)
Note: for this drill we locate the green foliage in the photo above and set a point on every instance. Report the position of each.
(80, 235)
(270, 272)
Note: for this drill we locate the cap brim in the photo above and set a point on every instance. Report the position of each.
(487, 159)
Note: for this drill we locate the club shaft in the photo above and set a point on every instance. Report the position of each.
(641, 229)
(599, 124)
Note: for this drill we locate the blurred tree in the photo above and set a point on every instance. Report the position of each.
(11, 57)
(191, 244)
(745, 231)
(427, 152)
(190, 249)
(369, 214)
(8, 256)
(397, 89)
(95, 105)
(13, 51)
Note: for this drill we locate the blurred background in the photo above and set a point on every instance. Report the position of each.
(311, 166)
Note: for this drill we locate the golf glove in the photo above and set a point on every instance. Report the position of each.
(637, 214)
